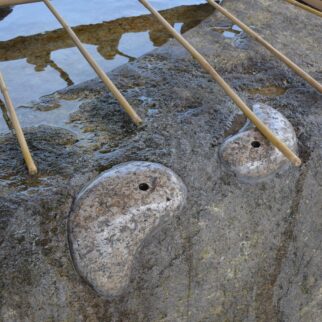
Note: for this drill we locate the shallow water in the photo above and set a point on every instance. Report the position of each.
(37, 57)
(58, 117)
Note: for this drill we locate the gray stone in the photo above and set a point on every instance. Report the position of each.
(250, 155)
(112, 216)
(239, 251)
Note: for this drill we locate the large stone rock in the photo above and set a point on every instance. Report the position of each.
(240, 251)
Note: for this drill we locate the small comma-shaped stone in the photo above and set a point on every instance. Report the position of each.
(250, 155)
(112, 216)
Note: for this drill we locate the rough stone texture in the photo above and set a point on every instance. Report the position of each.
(238, 251)
(114, 214)
(249, 155)
(298, 288)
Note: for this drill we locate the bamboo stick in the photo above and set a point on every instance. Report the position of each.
(16, 125)
(305, 7)
(229, 91)
(314, 83)
(99, 71)
(6, 117)
(5, 3)
(317, 4)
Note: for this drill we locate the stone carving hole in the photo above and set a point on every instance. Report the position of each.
(144, 186)
(256, 144)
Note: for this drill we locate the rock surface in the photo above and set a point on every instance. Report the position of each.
(113, 215)
(238, 251)
(249, 155)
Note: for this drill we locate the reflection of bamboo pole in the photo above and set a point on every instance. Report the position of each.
(229, 91)
(16, 125)
(99, 71)
(4, 3)
(314, 83)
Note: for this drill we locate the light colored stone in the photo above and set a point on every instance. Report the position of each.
(112, 216)
(249, 154)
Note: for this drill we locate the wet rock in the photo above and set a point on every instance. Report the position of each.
(249, 154)
(112, 216)
(242, 41)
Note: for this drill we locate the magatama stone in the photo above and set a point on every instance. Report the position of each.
(250, 155)
(113, 215)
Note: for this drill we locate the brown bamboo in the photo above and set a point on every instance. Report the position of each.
(16, 125)
(317, 4)
(229, 91)
(314, 83)
(99, 71)
(6, 117)
(305, 7)
(5, 3)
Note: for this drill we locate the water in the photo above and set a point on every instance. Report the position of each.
(58, 117)
(37, 57)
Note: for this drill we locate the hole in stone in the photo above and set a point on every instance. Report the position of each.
(256, 144)
(144, 186)
(168, 199)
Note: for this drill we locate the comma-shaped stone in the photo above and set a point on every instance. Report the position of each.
(112, 216)
(250, 155)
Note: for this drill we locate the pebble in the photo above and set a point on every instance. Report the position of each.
(112, 216)
(250, 155)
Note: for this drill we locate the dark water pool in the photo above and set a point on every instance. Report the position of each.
(37, 57)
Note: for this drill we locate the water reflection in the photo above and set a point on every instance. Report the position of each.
(48, 61)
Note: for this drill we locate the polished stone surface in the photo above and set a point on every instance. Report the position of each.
(250, 155)
(112, 216)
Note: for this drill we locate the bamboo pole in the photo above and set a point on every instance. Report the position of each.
(99, 71)
(229, 91)
(5, 3)
(305, 7)
(314, 83)
(6, 117)
(16, 125)
(317, 4)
